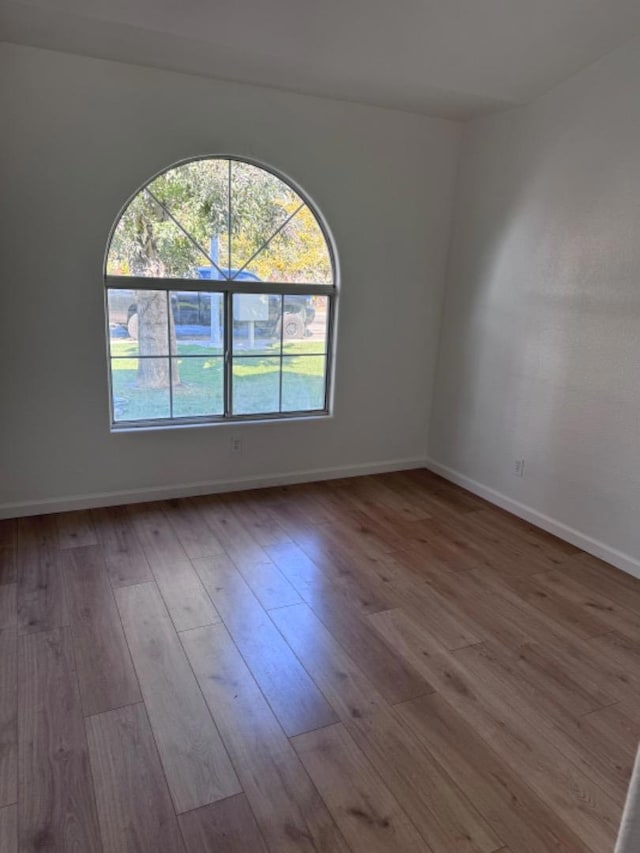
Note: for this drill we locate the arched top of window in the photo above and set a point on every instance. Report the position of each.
(220, 299)
(222, 219)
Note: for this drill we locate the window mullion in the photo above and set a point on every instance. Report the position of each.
(196, 285)
(281, 351)
(228, 353)
(168, 295)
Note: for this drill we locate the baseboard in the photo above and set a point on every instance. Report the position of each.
(576, 537)
(185, 490)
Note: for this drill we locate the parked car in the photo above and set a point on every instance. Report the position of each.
(193, 308)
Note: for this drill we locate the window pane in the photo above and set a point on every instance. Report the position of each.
(256, 323)
(138, 322)
(256, 385)
(297, 254)
(303, 383)
(147, 242)
(305, 324)
(140, 388)
(198, 386)
(196, 195)
(260, 204)
(199, 322)
(177, 227)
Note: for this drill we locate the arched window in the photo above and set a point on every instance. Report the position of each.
(220, 291)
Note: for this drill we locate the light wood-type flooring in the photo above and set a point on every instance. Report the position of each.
(384, 664)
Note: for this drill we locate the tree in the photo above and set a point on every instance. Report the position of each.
(167, 228)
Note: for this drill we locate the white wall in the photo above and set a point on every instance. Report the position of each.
(540, 349)
(78, 136)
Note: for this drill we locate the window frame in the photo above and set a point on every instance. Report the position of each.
(228, 288)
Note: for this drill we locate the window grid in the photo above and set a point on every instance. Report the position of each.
(228, 287)
(228, 357)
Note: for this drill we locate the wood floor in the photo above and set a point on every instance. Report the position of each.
(378, 665)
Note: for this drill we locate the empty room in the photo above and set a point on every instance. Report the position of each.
(319, 426)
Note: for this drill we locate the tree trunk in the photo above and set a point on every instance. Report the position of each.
(153, 327)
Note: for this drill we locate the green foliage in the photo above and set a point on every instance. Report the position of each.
(166, 229)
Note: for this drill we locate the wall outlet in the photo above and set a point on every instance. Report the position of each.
(519, 468)
(236, 444)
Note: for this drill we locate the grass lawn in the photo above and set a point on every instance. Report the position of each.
(256, 381)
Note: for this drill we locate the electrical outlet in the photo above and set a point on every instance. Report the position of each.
(519, 468)
(236, 444)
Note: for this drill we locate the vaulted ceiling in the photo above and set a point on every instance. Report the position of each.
(456, 58)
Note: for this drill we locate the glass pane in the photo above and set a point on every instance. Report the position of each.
(305, 324)
(256, 323)
(148, 243)
(198, 386)
(140, 388)
(256, 385)
(303, 383)
(297, 254)
(199, 322)
(177, 226)
(260, 203)
(138, 322)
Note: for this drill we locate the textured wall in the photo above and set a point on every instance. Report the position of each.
(78, 136)
(540, 347)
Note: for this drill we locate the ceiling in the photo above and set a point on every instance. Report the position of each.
(455, 58)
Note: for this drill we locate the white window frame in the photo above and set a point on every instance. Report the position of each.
(229, 287)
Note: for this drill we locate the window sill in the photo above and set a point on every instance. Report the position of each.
(155, 426)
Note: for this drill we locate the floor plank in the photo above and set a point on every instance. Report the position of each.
(8, 533)
(134, 806)
(183, 593)
(250, 507)
(125, 560)
(195, 762)
(443, 616)
(8, 565)
(8, 606)
(516, 814)
(476, 606)
(438, 808)
(105, 672)
(599, 757)
(195, 536)
(608, 615)
(311, 578)
(587, 810)
(539, 673)
(267, 582)
(538, 591)
(159, 541)
(41, 594)
(369, 816)
(56, 800)
(225, 827)
(237, 542)
(75, 529)
(9, 829)
(287, 806)
(619, 722)
(614, 585)
(8, 717)
(187, 601)
(389, 673)
(294, 698)
(396, 680)
(330, 560)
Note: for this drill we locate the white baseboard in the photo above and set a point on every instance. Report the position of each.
(581, 540)
(184, 490)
